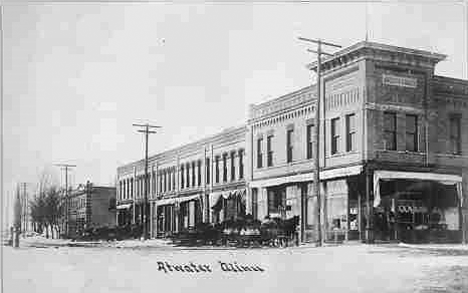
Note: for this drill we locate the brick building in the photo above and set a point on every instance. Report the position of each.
(90, 206)
(199, 182)
(393, 156)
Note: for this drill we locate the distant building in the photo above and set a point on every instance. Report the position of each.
(90, 206)
(393, 156)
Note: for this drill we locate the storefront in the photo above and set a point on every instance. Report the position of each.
(124, 214)
(178, 214)
(417, 207)
(227, 205)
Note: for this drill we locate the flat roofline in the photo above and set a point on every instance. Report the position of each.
(285, 96)
(379, 46)
(186, 145)
(451, 79)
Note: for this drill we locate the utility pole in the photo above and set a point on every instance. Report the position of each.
(66, 167)
(316, 181)
(24, 208)
(146, 129)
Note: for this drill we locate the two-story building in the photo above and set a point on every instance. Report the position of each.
(90, 206)
(198, 182)
(393, 157)
(392, 154)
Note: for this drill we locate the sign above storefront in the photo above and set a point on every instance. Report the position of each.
(400, 81)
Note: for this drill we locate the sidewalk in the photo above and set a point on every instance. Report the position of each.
(437, 247)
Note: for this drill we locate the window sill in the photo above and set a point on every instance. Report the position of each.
(342, 154)
(402, 152)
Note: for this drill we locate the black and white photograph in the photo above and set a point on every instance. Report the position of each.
(234, 146)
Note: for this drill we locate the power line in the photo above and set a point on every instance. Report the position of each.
(316, 183)
(146, 129)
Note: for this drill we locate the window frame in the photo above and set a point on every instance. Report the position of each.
(208, 173)
(269, 151)
(350, 132)
(310, 140)
(225, 171)
(233, 166)
(259, 152)
(393, 132)
(289, 145)
(217, 169)
(241, 164)
(415, 134)
(335, 135)
(455, 141)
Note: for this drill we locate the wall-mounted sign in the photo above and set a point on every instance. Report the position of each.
(399, 81)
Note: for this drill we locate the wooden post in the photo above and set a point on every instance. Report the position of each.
(369, 224)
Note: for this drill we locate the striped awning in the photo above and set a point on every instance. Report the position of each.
(216, 197)
(174, 200)
(446, 179)
(124, 206)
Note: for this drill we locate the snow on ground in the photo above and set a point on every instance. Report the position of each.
(134, 268)
(357, 268)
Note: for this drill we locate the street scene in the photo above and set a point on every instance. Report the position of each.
(223, 147)
(384, 268)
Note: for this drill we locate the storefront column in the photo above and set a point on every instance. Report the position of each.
(175, 219)
(262, 203)
(134, 212)
(369, 209)
(359, 216)
(151, 211)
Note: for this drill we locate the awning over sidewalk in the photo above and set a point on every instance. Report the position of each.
(175, 200)
(324, 175)
(281, 180)
(340, 172)
(124, 206)
(215, 198)
(446, 179)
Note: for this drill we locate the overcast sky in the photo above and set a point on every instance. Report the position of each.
(76, 76)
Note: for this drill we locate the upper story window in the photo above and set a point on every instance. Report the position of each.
(173, 178)
(224, 167)
(169, 179)
(390, 131)
(233, 166)
(241, 164)
(310, 141)
(131, 187)
(289, 144)
(182, 179)
(217, 169)
(269, 151)
(335, 135)
(259, 153)
(412, 133)
(208, 168)
(193, 174)
(199, 172)
(455, 134)
(127, 193)
(350, 132)
(137, 183)
(153, 182)
(187, 175)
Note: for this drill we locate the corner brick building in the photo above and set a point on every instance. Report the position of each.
(90, 206)
(393, 153)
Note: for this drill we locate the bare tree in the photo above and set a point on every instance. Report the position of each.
(46, 206)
